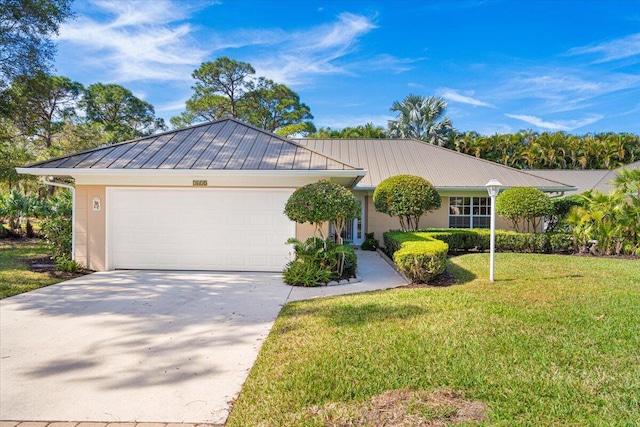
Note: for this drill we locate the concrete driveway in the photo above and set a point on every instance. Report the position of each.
(144, 346)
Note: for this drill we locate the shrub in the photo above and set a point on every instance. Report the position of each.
(56, 227)
(318, 262)
(408, 197)
(370, 243)
(461, 240)
(523, 205)
(320, 202)
(557, 220)
(422, 255)
(68, 265)
(417, 255)
(305, 272)
(57, 235)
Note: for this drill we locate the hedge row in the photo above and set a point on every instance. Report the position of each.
(506, 241)
(417, 255)
(422, 255)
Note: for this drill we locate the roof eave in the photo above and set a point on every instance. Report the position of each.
(182, 172)
(546, 189)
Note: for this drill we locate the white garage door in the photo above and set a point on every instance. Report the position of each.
(198, 229)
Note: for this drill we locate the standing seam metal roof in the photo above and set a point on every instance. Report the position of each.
(585, 180)
(227, 144)
(442, 167)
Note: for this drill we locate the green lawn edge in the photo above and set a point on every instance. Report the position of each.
(15, 258)
(554, 341)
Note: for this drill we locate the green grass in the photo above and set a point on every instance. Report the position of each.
(15, 277)
(555, 341)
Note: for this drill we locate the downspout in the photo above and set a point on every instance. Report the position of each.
(73, 211)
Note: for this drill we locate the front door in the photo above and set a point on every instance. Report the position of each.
(353, 231)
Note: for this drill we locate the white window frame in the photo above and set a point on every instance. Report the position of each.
(475, 205)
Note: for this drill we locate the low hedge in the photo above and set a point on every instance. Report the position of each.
(464, 240)
(422, 255)
(417, 255)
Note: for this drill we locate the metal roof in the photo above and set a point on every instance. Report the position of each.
(221, 145)
(585, 180)
(442, 167)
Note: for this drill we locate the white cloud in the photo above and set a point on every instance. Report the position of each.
(613, 50)
(172, 106)
(294, 57)
(136, 42)
(386, 62)
(563, 90)
(455, 96)
(493, 128)
(560, 125)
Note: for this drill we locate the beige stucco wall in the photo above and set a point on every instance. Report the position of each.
(379, 223)
(306, 230)
(90, 227)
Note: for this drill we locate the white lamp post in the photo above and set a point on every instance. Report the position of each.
(493, 187)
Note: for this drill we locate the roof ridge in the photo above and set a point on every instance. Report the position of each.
(151, 139)
(290, 141)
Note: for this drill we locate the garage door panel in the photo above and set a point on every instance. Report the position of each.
(199, 229)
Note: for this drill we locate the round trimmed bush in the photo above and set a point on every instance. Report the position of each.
(323, 201)
(408, 197)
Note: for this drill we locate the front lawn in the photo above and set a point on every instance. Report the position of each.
(15, 258)
(555, 341)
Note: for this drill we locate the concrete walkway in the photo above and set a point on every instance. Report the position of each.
(134, 346)
(373, 271)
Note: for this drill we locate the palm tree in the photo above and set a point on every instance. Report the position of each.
(421, 118)
(628, 181)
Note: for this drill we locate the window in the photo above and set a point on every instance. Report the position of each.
(469, 212)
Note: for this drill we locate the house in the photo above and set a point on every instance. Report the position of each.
(585, 180)
(211, 196)
(459, 178)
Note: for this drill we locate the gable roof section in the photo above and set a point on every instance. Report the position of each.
(444, 168)
(227, 144)
(585, 180)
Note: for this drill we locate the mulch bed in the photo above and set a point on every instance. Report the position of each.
(443, 280)
(44, 264)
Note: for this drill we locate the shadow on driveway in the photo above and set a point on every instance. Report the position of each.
(134, 345)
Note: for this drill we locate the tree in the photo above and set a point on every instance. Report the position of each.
(122, 115)
(26, 28)
(219, 91)
(546, 150)
(15, 150)
(524, 205)
(227, 88)
(408, 197)
(421, 118)
(40, 105)
(277, 108)
(367, 131)
(321, 202)
(604, 224)
(628, 181)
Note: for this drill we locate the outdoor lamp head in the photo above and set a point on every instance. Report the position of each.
(493, 187)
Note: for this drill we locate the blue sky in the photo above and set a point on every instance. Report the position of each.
(502, 66)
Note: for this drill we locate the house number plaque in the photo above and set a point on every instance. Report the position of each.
(96, 204)
(199, 182)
